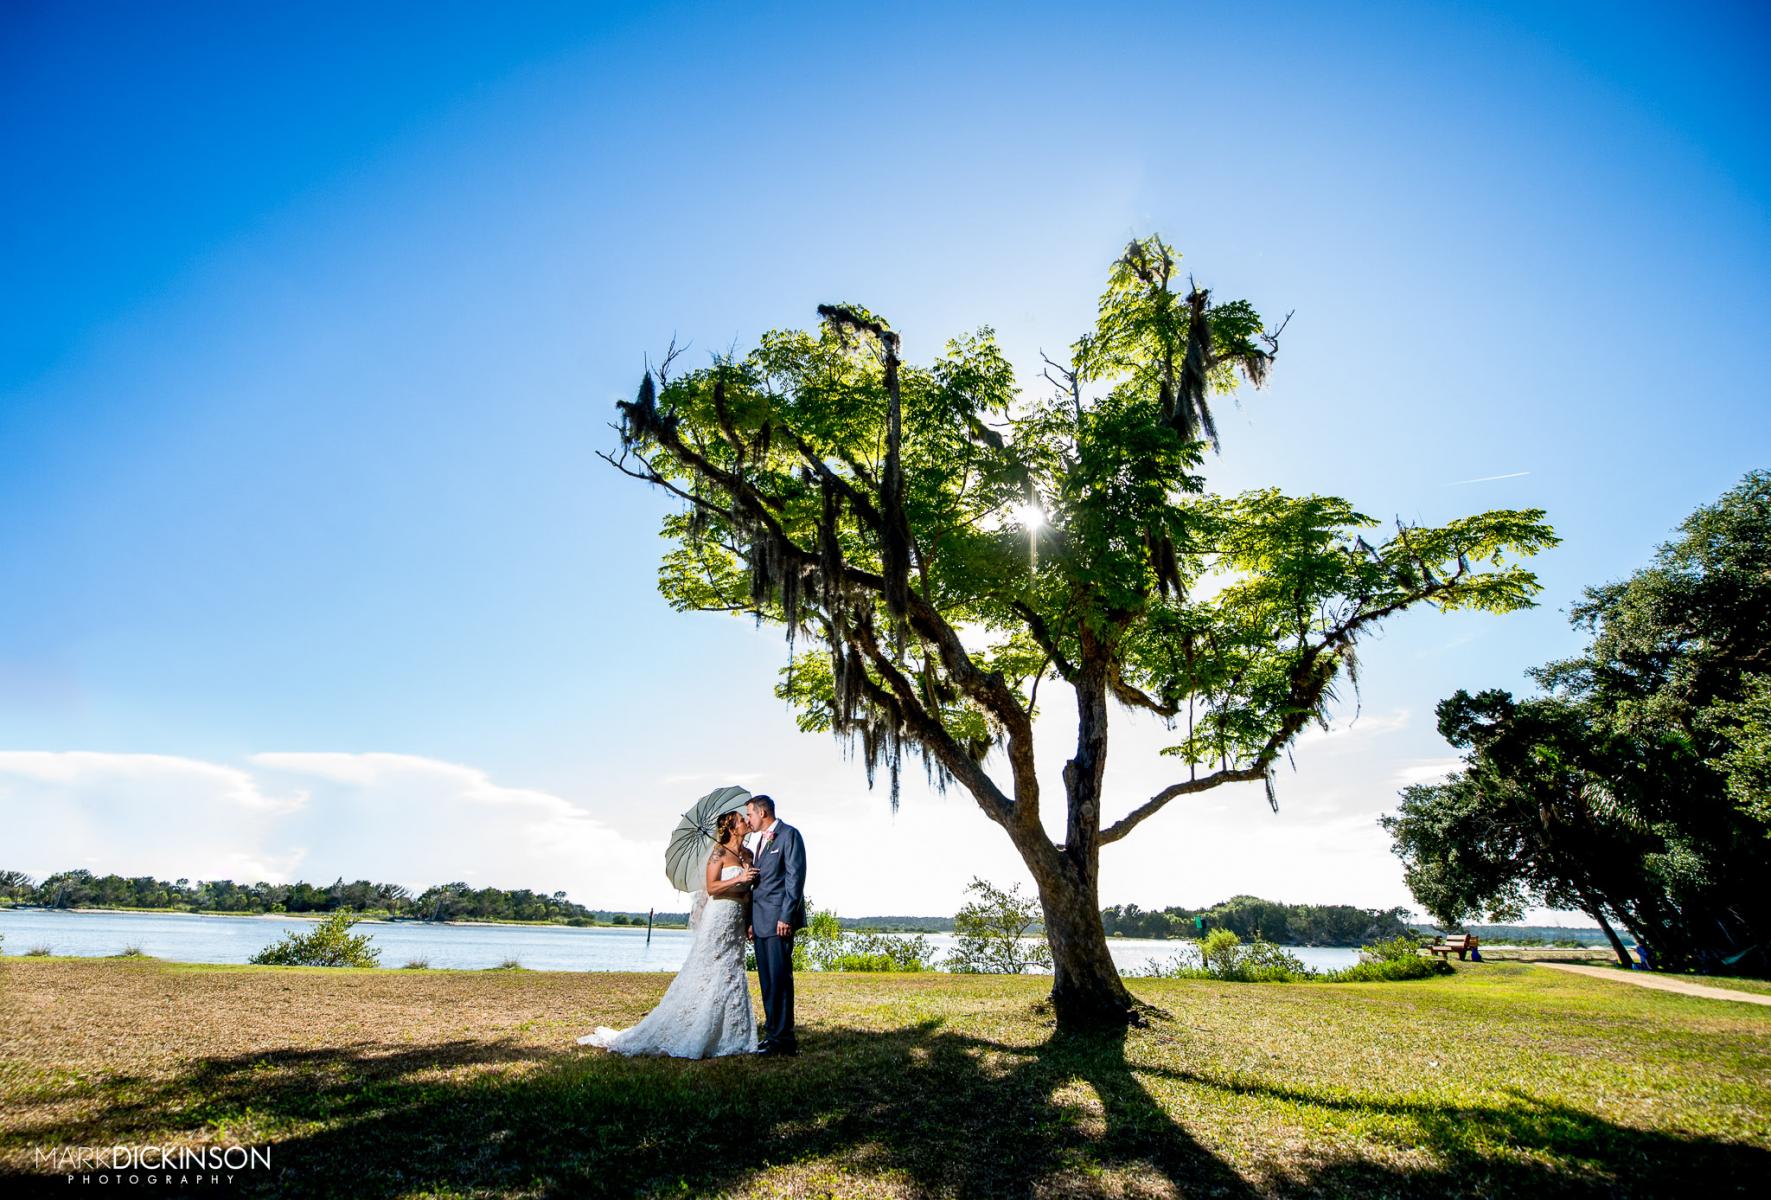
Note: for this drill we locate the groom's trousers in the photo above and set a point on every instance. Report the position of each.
(774, 973)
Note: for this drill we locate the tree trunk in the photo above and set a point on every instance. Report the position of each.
(1087, 992)
(1597, 913)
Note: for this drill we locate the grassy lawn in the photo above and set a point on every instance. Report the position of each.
(1502, 1080)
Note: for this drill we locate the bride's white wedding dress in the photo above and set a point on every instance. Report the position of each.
(706, 1010)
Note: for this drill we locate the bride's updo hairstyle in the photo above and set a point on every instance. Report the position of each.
(723, 830)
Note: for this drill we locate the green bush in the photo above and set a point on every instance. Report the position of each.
(1393, 959)
(823, 945)
(901, 952)
(1388, 970)
(992, 933)
(328, 944)
(1396, 949)
(1223, 955)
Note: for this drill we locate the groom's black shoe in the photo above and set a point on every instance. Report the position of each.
(776, 1050)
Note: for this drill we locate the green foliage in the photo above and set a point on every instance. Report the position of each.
(329, 944)
(1388, 970)
(874, 508)
(797, 512)
(1744, 726)
(824, 945)
(992, 933)
(442, 902)
(1250, 916)
(1404, 947)
(1635, 791)
(1222, 955)
(817, 943)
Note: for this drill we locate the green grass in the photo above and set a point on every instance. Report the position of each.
(1500, 1080)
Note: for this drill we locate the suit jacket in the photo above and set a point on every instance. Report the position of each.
(780, 890)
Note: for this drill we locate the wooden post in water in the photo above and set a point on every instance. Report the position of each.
(649, 915)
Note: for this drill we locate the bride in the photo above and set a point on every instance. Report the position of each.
(706, 1010)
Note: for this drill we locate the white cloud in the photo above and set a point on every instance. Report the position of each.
(142, 814)
(1364, 725)
(1489, 478)
(419, 820)
(415, 820)
(387, 817)
(1425, 770)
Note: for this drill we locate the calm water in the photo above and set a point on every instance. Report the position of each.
(187, 937)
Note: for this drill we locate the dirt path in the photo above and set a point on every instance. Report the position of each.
(1663, 982)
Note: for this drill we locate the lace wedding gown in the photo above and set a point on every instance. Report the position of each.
(706, 1010)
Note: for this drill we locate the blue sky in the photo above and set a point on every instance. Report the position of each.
(315, 316)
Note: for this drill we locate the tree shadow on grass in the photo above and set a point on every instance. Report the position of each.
(922, 1109)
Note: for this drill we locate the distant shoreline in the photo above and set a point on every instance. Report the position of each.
(286, 916)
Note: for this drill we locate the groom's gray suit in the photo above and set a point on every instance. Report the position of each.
(779, 895)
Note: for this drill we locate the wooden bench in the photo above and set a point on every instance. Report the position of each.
(1460, 944)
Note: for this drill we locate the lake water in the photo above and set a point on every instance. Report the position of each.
(189, 937)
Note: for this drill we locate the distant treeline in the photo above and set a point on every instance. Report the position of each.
(440, 902)
(1247, 916)
(898, 924)
(1250, 917)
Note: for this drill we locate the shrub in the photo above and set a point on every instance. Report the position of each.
(1389, 969)
(509, 964)
(416, 964)
(1218, 948)
(901, 952)
(818, 942)
(992, 930)
(328, 944)
(877, 952)
(130, 952)
(1396, 949)
(38, 951)
(1223, 955)
(823, 945)
(1394, 959)
(1229, 958)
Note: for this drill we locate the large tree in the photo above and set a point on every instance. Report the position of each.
(1636, 790)
(937, 546)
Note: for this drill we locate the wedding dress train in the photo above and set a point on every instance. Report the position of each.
(706, 1009)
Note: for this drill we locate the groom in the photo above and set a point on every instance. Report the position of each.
(777, 908)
